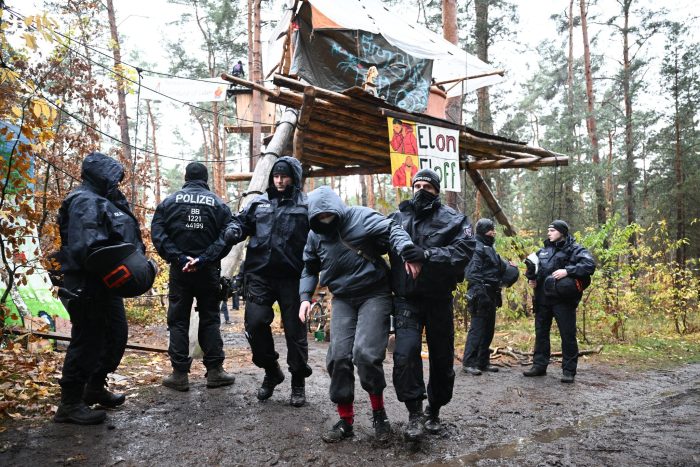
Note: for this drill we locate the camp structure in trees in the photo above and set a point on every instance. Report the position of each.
(348, 67)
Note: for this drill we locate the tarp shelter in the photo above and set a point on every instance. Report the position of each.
(334, 43)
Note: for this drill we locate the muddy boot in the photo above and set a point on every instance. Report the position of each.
(414, 428)
(470, 370)
(178, 381)
(73, 410)
(535, 370)
(567, 377)
(298, 397)
(382, 427)
(218, 377)
(273, 377)
(339, 432)
(98, 394)
(490, 369)
(432, 420)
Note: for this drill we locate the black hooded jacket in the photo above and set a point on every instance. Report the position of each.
(277, 224)
(486, 268)
(342, 269)
(191, 222)
(563, 254)
(95, 214)
(446, 235)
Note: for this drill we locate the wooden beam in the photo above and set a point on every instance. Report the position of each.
(491, 201)
(64, 337)
(517, 163)
(238, 177)
(307, 106)
(359, 170)
(464, 78)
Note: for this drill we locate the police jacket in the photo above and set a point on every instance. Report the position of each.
(446, 236)
(486, 268)
(342, 269)
(95, 214)
(277, 224)
(191, 222)
(563, 254)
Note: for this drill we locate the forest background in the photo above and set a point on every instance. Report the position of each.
(614, 85)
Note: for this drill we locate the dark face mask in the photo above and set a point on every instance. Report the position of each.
(323, 228)
(423, 200)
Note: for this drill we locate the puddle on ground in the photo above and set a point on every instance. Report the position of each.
(511, 450)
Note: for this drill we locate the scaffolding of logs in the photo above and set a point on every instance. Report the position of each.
(346, 133)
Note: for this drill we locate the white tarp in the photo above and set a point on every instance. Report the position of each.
(186, 90)
(449, 61)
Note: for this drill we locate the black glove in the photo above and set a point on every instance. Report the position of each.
(232, 234)
(182, 260)
(414, 254)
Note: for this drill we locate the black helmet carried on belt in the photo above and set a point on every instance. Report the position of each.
(565, 288)
(123, 269)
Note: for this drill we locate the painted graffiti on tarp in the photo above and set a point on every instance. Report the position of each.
(338, 59)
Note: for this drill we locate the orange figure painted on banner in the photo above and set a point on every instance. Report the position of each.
(404, 174)
(404, 139)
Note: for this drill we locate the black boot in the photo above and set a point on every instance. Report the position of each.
(340, 431)
(382, 427)
(567, 377)
(178, 380)
(536, 370)
(298, 397)
(432, 420)
(414, 428)
(273, 377)
(73, 410)
(218, 377)
(471, 370)
(97, 393)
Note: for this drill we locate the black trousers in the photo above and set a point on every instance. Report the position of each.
(565, 315)
(203, 285)
(98, 337)
(261, 292)
(411, 316)
(480, 335)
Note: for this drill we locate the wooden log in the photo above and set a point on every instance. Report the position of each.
(516, 163)
(341, 147)
(238, 177)
(491, 201)
(307, 106)
(352, 140)
(481, 75)
(470, 140)
(359, 170)
(64, 337)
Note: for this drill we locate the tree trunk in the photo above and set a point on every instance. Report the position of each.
(156, 162)
(255, 64)
(591, 124)
(678, 169)
(630, 169)
(454, 105)
(121, 86)
(568, 185)
(363, 186)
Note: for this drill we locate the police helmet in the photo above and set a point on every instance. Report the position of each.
(565, 288)
(510, 274)
(123, 269)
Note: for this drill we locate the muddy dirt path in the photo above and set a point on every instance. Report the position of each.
(610, 416)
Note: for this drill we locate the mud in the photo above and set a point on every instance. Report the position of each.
(610, 416)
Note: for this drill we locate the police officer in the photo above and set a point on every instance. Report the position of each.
(345, 248)
(277, 225)
(94, 215)
(187, 231)
(563, 270)
(443, 245)
(485, 273)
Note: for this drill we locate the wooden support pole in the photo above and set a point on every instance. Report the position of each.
(491, 201)
(63, 337)
(510, 163)
(238, 177)
(464, 78)
(307, 106)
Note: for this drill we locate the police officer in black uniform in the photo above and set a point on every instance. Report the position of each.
(188, 232)
(443, 245)
(94, 215)
(485, 274)
(277, 225)
(563, 270)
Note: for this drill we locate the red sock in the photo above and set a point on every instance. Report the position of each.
(377, 401)
(346, 412)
